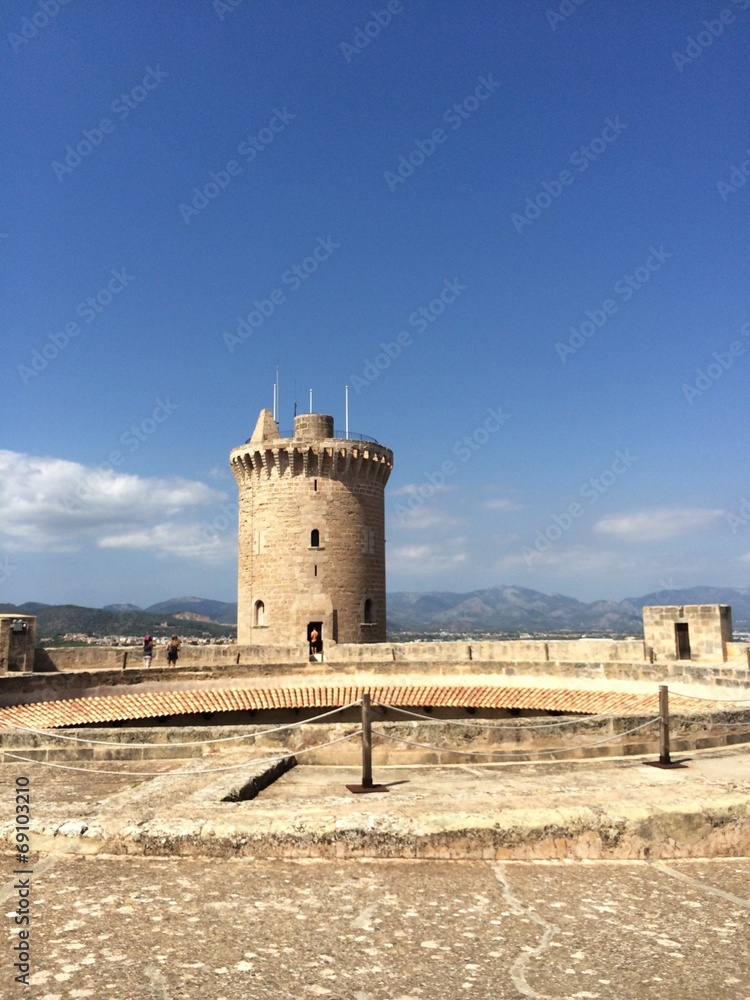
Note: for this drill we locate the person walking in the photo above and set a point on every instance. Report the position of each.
(148, 650)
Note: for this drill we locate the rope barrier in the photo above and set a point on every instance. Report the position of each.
(196, 743)
(714, 701)
(541, 725)
(206, 770)
(515, 753)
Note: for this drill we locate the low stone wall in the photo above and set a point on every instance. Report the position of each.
(65, 658)
(489, 651)
(519, 739)
(738, 654)
(603, 657)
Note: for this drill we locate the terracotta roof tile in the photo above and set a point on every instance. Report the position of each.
(144, 705)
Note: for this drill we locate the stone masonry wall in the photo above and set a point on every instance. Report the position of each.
(707, 627)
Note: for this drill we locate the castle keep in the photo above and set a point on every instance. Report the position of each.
(311, 534)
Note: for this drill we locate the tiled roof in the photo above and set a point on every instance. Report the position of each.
(148, 705)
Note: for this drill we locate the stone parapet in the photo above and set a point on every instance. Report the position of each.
(521, 739)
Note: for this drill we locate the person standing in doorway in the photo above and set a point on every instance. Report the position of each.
(314, 638)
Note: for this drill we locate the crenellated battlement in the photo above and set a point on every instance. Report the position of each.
(336, 458)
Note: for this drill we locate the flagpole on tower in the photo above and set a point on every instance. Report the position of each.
(346, 412)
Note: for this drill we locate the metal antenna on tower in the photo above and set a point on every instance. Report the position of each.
(311, 409)
(346, 411)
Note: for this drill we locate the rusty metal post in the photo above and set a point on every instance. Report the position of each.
(367, 782)
(366, 741)
(664, 757)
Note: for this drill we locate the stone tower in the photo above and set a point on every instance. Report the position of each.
(311, 534)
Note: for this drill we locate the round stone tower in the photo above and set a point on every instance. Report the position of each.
(311, 535)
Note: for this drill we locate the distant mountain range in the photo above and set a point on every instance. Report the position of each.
(496, 609)
(56, 620)
(516, 609)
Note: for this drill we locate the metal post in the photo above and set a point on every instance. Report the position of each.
(664, 757)
(366, 742)
(367, 782)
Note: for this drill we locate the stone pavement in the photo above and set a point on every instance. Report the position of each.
(616, 808)
(145, 928)
(152, 887)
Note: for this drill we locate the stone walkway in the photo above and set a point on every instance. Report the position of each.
(608, 808)
(184, 928)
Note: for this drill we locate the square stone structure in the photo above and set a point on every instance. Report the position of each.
(311, 535)
(17, 641)
(698, 632)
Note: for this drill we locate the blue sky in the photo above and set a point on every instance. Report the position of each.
(518, 232)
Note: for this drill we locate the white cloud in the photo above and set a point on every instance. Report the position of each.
(424, 559)
(578, 560)
(423, 490)
(50, 504)
(425, 517)
(665, 522)
(209, 540)
(502, 504)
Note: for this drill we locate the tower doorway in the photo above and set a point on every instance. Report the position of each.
(682, 640)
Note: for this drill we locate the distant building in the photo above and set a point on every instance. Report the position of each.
(311, 535)
(698, 632)
(17, 641)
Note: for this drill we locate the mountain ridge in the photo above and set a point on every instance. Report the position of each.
(489, 609)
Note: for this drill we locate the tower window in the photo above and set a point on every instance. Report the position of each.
(368, 541)
(314, 538)
(368, 612)
(260, 613)
(316, 569)
(315, 485)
